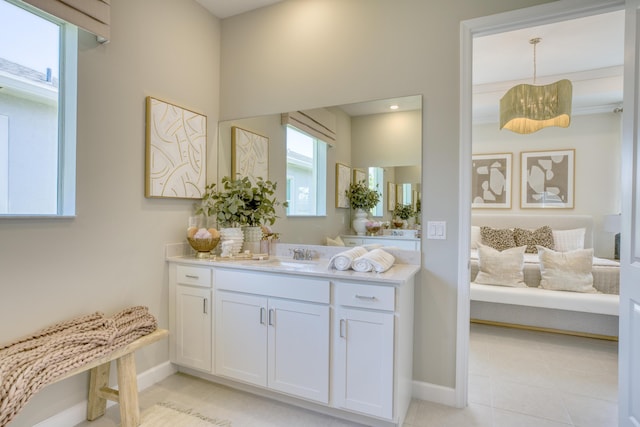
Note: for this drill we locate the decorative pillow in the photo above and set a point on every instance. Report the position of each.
(475, 236)
(543, 236)
(335, 242)
(568, 240)
(501, 268)
(566, 271)
(499, 239)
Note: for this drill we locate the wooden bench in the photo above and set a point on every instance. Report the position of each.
(127, 393)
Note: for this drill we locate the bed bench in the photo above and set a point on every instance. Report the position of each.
(127, 393)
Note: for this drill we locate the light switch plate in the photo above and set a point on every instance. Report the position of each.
(437, 230)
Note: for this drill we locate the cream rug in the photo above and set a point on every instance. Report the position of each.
(167, 414)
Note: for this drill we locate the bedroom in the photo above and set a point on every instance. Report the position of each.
(593, 138)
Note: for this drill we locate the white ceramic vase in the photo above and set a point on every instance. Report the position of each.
(360, 221)
(235, 234)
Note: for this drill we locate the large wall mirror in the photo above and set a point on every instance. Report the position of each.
(367, 135)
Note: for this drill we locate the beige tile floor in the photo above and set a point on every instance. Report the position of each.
(516, 378)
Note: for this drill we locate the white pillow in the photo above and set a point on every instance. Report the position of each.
(475, 236)
(566, 271)
(568, 240)
(501, 268)
(335, 242)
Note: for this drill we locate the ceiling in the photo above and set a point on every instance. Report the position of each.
(226, 8)
(588, 51)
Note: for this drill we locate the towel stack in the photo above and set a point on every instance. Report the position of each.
(360, 260)
(377, 260)
(344, 260)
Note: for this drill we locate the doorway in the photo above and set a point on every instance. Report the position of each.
(471, 30)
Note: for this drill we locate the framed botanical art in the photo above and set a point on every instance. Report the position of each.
(249, 155)
(343, 180)
(491, 180)
(391, 196)
(176, 143)
(548, 179)
(359, 175)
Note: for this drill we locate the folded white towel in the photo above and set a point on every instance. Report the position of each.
(376, 260)
(343, 260)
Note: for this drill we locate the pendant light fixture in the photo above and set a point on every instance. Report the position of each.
(529, 108)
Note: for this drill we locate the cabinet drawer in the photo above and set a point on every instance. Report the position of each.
(274, 285)
(195, 276)
(367, 296)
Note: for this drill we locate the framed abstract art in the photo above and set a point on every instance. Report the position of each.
(547, 179)
(176, 142)
(491, 180)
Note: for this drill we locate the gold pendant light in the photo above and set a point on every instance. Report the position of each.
(529, 108)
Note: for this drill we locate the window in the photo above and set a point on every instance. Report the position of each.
(376, 180)
(38, 62)
(306, 174)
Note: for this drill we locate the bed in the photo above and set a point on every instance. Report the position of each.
(592, 312)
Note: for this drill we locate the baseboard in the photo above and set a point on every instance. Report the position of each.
(544, 329)
(434, 393)
(78, 412)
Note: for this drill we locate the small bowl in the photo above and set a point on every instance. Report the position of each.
(203, 247)
(373, 230)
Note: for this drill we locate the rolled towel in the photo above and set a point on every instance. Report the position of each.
(343, 260)
(376, 260)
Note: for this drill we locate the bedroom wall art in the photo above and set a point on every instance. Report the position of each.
(547, 179)
(491, 180)
(176, 141)
(343, 180)
(249, 155)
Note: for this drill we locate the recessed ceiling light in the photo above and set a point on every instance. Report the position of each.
(394, 107)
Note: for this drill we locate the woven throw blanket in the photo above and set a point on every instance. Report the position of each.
(32, 362)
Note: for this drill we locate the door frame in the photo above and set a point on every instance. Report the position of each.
(508, 21)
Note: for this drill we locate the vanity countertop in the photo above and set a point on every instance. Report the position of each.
(381, 236)
(396, 275)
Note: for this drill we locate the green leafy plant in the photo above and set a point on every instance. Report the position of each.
(240, 203)
(403, 211)
(362, 197)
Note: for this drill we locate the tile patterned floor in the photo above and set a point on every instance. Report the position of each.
(516, 378)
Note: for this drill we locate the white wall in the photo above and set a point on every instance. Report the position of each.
(301, 54)
(111, 256)
(391, 139)
(596, 139)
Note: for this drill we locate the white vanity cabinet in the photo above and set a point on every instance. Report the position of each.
(191, 317)
(273, 331)
(372, 344)
(329, 340)
(363, 347)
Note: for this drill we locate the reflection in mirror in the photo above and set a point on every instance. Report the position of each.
(381, 144)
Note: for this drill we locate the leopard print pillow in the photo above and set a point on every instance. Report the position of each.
(543, 236)
(499, 239)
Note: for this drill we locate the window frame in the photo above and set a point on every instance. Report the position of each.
(320, 177)
(67, 117)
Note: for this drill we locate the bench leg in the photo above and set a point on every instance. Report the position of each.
(128, 391)
(99, 379)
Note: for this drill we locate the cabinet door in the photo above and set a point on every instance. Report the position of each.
(193, 327)
(364, 361)
(299, 349)
(241, 337)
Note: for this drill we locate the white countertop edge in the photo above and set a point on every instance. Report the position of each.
(396, 275)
